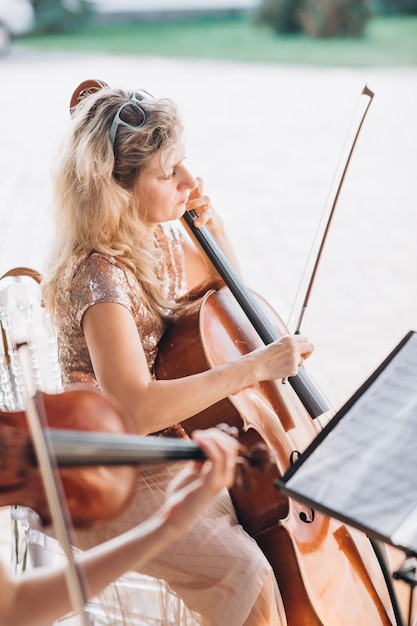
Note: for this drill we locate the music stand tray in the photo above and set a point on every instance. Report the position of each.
(362, 468)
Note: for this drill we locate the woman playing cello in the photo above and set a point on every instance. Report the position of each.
(119, 270)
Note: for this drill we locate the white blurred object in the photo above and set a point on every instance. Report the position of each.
(23, 319)
(17, 17)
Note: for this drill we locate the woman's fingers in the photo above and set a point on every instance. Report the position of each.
(297, 347)
(201, 204)
(284, 357)
(215, 473)
(221, 450)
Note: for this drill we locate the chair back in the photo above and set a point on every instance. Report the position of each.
(24, 320)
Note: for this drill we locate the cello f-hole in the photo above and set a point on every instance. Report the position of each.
(306, 518)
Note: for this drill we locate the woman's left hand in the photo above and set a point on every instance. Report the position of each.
(206, 214)
(208, 277)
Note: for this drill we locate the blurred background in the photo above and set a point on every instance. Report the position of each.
(313, 18)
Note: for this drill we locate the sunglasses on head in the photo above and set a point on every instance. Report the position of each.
(129, 111)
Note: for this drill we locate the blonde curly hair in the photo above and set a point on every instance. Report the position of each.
(94, 184)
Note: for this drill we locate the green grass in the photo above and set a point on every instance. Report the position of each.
(388, 42)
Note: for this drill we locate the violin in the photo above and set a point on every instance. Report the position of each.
(96, 465)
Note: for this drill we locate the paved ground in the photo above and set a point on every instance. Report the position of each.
(267, 140)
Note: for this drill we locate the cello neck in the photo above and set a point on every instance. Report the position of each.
(312, 400)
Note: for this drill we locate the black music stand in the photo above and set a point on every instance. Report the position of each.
(362, 468)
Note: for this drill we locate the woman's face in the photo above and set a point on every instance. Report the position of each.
(162, 193)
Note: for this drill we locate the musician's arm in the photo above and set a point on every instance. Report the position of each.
(40, 595)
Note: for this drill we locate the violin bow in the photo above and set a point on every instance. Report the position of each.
(60, 516)
(335, 189)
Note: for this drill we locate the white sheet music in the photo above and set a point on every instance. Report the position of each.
(366, 467)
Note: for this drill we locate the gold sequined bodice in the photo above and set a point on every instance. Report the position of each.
(94, 278)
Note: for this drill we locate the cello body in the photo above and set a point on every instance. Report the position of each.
(327, 573)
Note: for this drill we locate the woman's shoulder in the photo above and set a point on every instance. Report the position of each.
(94, 278)
(95, 264)
(99, 277)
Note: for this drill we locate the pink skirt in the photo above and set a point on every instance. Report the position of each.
(212, 575)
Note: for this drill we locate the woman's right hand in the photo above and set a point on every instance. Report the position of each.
(282, 358)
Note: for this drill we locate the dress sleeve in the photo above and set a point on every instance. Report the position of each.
(100, 279)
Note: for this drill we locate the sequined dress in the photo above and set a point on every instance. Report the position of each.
(214, 573)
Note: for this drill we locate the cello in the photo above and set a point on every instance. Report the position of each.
(327, 573)
(321, 572)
